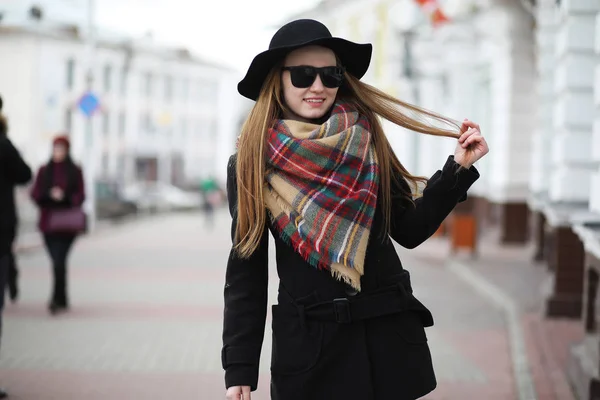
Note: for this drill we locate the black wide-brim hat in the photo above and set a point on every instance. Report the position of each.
(355, 58)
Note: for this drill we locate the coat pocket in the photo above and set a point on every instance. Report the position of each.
(296, 346)
(409, 327)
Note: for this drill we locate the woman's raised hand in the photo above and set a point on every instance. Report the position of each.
(471, 145)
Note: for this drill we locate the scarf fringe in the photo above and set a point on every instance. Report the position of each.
(345, 278)
(316, 262)
(285, 207)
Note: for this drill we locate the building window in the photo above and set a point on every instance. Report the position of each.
(184, 127)
(213, 129)
(445, 87)
(68, 120)
(206, 91)
(70, 74)
(185, 89)
(122, 123)
(123, 83)
(106, 123)
(121, 167)
(168, 88)
(105, 164)
(407, 58)
(107, 78)
(146, 124)
(148, 84)
(199, 129)
(121, 162)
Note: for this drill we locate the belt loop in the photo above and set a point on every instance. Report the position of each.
(341, 310)
(301, 315)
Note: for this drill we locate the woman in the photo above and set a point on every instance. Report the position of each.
(314, 168)
(58, 187)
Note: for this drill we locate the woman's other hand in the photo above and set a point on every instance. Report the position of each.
(238, 393)
(471, 145)
(57, 193)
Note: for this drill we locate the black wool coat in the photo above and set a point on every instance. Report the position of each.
(379, 358)
(13, 171)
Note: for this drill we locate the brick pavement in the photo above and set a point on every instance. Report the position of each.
(147, 315)
(527, 283)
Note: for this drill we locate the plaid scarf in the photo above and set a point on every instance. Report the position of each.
(321, 190)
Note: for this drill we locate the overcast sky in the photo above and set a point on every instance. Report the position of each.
(231, 32)
(227, 31)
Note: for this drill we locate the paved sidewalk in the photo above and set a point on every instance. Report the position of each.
(147, 318)
(510, 273)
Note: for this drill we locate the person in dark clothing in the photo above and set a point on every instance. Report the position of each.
(12, 278)
(58, 185)
(13, 270)
(13, 171)
(314, 168)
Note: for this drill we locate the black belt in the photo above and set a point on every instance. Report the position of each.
(389, 300)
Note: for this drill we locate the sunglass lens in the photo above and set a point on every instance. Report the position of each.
(303, 77)
(332, 77)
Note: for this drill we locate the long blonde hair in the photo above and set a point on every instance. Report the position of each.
(369, 101)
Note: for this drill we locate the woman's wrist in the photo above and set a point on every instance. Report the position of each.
(461, 163)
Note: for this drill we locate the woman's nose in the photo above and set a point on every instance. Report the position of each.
(317, 85)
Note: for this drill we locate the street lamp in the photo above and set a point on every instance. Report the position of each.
(88, 148)
(408, 68)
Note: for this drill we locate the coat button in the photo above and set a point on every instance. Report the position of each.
(350, 291)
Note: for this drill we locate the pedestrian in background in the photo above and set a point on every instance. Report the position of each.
(13, 171)
(59, 193)
(315, 168)
(12, 215)
(206, 188)
(210, 200)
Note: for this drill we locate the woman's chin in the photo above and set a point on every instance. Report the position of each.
(313, 114)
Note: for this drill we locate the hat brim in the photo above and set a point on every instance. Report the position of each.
(355, 58)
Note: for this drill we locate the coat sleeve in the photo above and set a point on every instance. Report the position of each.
(245, 313)
(78, 197)
(412, 224)
(17, 169)
(38, 194)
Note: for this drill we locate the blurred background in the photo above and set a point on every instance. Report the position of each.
(146, 91)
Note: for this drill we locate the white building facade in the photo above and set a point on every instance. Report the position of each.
(163, 115)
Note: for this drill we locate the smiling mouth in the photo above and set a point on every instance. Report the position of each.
(315, 101)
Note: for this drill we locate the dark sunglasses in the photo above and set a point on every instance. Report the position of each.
(303, 76)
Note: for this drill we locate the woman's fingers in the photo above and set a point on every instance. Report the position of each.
(473, 125)
(469, 124)
(246, 393)
(466, 135)
(464, 127)
(234, 393)
(473, 139)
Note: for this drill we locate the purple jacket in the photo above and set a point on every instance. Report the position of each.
(70, 181)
